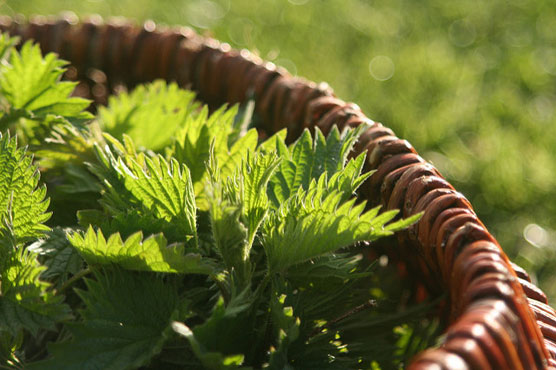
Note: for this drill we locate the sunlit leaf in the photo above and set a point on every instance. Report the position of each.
(30, 82)
(150, 254)
(150, 115)
(152, 186)
(23, 202)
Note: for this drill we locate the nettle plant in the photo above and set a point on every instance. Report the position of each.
(157, 235)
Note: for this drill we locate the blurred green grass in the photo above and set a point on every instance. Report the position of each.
(471, 84)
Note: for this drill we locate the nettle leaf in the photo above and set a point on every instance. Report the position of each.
(153, 186)
(327, 287)
(317, 221)
(62, 158)
(331, 153)
(57, 255)
(222, 332)
(126, 321)
(230, 236)
(67, 144)
(225, 339)
(127, 223)
(307, 159)
(150, 115)
(151, 254)
(194, 140)
(253, 178)
(238, 206)
(32, 84)
(350, 179)
(313, 215)
(203, 132)
(337, 267)
(230, 158)
(229, 233)
(209, 360)
(22, 202)
(275, 143)
(25, 300)
(7, 44)
(295, 170)
(242, 121)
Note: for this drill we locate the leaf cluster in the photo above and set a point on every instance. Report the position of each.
(184, 247)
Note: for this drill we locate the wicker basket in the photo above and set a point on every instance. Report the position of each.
(496, 317)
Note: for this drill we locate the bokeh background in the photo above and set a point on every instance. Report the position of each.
(471, 84)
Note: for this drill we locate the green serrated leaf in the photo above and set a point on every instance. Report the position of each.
(404, 223)
(255, 174)
(317, 221)
(62, 156)
(23, 203)
(130, 222)
(230, 236)
(151, 254)
(219, 333)
(313, 215)
(275, 143)
(230, 159)
(229, 233)
(65, 144)
(307, 159)
(193, 141)
(158, 188)
(331, 155)
(340, 266)
(349, 179)
(7, 44)
(238, 206)
(150, 115)
(126, 321)
(32, 83)
(25, 301)
(57, 255)
(303, 157)
(295, 172)
(199, 135)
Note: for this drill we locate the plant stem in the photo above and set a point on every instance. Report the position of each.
(263, 284)
(74, 278)
(369, 304)
(263, 336)
(225, 292)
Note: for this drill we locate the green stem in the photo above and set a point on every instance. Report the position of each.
(222, 287)
(262, 286)
(74, 278)
(263, 336)
(369, 304)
